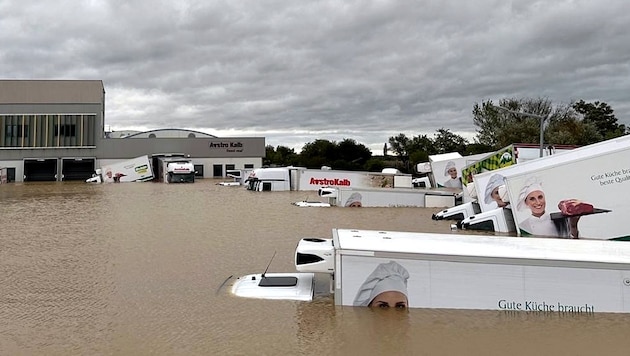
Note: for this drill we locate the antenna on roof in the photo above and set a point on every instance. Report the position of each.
(274, 255)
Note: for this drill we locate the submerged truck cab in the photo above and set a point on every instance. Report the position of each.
(174, 168)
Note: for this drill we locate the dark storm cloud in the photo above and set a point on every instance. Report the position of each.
(296, 71)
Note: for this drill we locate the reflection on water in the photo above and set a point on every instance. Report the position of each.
(137, 268)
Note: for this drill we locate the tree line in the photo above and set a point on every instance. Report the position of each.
(497, 125)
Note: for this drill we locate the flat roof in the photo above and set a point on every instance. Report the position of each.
(13, 91)
(368, 242)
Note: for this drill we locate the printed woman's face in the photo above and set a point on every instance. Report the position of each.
(452, 172)
(390, 299)
(536, 202)
(355, 204)
(495, 195)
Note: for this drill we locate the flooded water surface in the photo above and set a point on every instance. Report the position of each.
(139, 269)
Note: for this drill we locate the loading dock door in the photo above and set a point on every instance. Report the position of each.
(77, 168)
(199, 170)
(40, 170)
(217, 170)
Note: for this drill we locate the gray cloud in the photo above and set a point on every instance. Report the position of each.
(297, 71)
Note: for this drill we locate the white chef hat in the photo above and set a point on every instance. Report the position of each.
(495, 181)
(449, 165)
(354, 197)
(386, 277)
(532, 184)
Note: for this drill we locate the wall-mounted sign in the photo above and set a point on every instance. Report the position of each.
(228, 146)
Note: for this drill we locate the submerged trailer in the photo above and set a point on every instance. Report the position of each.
(175, 169)
(393, 269)
(387, 197)
(133, 170)
(488, 272)
(239, 177)
(300, 178)
(476, 202)
(580, 193)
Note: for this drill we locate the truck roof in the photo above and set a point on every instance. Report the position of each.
(445, 246)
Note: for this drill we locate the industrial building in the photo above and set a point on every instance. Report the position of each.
(54, 130)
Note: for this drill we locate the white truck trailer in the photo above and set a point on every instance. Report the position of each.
(476, 202)
(387, 197)
(300, 178)
(455, 271)
(137, 169)
(595, 179)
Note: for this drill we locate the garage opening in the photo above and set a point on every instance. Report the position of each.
(40, 170)
(217, 170)
(77, 169)
(199, 170)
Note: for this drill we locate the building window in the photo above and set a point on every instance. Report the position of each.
(69, 130)
(248, 165)
(15, 131)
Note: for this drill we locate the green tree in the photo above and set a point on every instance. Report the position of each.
(279, 156)
(374, 165)
(347, 154)
(318, 153)
(421, 144)
(602, 116)
(519, 128)
(489, 121)
(476, 148)
(350, 150)
(445, 141)
(564, 127)
(497, 128)
(400, 144)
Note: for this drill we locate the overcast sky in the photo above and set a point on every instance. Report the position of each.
(295, 71)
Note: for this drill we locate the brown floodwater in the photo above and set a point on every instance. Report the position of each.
(139, 269)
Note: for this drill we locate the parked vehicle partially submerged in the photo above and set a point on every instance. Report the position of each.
(455, 271)
(311, 204)
(137, 169)
(300, 178)
(595, 178)
(586, 270)
(471, 203)
(175, 169)
(387, 197)
(239, 177)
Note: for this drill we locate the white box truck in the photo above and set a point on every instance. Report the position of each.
(393, 269)
(482, 272)
(137, 169)
(175, 170)
(300, 178)
(579, 193)
(387, 197)
(476, 202)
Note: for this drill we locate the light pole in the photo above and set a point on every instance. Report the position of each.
(539, 117)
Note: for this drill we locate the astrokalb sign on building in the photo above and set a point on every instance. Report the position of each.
(228, 146)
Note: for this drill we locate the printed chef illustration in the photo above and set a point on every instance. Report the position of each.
(537, 219)
(453, 180)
